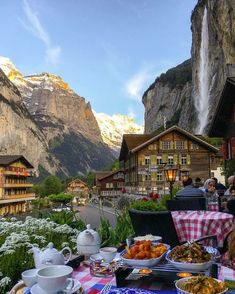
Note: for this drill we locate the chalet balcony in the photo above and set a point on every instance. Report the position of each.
(16, 185)
(17, 198)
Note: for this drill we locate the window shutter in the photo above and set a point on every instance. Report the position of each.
(164, 158)
(143, 160)
(143, 178)
(153, 159)
(160, 144)
(175, 145)
(172, 145)
(191, 145)
(188, 159)
(154, 176)
(180, 160)
(175, 159)
(185, 145)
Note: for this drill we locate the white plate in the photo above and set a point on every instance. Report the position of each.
(148, 237)
(142, 262)
(189, 266)
(36, 289)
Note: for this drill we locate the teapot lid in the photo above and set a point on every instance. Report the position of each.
(50, 249)
(88, 237)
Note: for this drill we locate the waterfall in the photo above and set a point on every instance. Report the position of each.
(202, 99)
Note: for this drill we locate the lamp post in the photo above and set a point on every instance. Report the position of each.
(170, 176)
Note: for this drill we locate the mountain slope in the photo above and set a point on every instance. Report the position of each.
(64, 118)
(113, 127)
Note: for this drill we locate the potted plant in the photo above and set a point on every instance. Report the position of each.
(150, 216)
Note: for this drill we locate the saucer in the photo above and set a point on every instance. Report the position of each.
(36, 289)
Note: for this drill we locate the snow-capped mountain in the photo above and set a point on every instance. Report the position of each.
(113, 127)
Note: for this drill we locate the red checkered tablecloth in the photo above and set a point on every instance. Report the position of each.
(191, 225)
(93, 285)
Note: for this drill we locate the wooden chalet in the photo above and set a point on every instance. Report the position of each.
(110, 184)
(15, 193)
(223, 123)
(144, 161)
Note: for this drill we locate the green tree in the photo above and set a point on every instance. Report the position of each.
(91, 179)
(52, 185)
(38, 190)
(61, 198)
(228, 167)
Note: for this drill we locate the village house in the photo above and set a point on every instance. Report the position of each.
(79, 189)
(109, 184)
(15, 194)
(144, 162)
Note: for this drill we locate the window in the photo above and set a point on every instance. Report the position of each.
(147, 160)
(179, 145)
(159, 160)
(159, 176)
(150, 147)
(148, 177)
(184, 159)
(166, 145)
(194, 146)
(170, 160)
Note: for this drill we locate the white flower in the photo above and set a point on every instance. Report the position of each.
(4, 282)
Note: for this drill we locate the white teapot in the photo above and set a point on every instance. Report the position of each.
(49, 256)
(88, 242)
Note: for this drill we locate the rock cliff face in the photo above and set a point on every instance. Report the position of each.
(18, 132)
(169, 99)
(65, 121)
(191, 102)
(221, 50)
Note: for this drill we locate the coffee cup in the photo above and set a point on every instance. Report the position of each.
(108, 253)
(53, 279)
(30, 277)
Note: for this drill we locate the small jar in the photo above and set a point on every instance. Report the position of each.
(99, 268)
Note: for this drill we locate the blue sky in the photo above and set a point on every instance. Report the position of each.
(108, 51)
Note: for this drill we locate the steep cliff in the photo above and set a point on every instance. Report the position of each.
(65, 119)
(216, 19)
(187, 95)
(169, 98)
(18, 132)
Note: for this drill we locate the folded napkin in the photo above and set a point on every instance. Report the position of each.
(226, 274)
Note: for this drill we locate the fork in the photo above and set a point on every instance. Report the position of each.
(106, 288)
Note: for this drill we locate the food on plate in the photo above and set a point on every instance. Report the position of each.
(145, 271)
(145, 250)
(203, 285)
(190, 253)
(149, 237)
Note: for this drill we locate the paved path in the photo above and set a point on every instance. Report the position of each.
(91, 215)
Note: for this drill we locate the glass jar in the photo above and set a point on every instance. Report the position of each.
(99, 268)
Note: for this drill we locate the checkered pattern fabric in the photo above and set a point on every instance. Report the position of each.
(93, 285)
(226, 274)
(213, 207)
(191, 225)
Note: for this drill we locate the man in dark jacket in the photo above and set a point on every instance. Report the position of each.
(189, 190)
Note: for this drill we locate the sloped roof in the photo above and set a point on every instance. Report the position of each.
(77, 180)
(130, 141)
(110, 174)
(8, 159)
(180, 130)
(224, 109)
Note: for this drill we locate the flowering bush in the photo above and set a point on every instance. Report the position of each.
(17, 237)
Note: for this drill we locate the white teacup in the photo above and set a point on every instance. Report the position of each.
(53, 279)
(108, 253)
(30, 277)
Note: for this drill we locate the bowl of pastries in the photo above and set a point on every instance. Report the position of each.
(144, 253)
(193, 257)
(200, 285)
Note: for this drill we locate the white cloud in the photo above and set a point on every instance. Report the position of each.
(136, 84)
(131, 112)
(33, 25)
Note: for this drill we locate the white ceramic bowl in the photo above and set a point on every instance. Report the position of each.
(142, 262)
(30, 277)
(148, 237)
(184, 266)
(180, 283)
